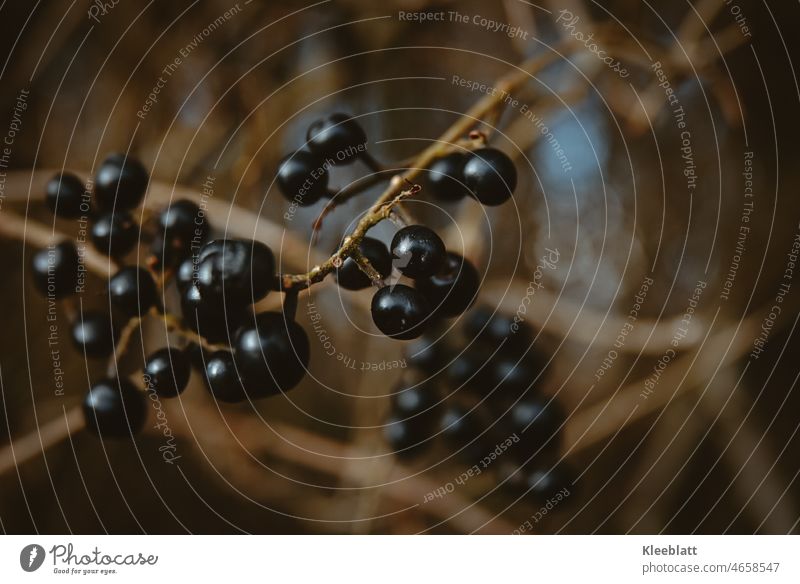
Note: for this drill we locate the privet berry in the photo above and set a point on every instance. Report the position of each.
(493, 328)
(120, 183)
(453, 289)
(114, 234)
(167, 372)
(237, 270)
(114, 408)
(446, 177)
(222, 379)
(491, 176)
(545, 483)
(132, 291)
(427, 354)
(55, 270)
(400, 312)
(184, 221)
(406, 437)
(64, 196)
(94, 334)
(350, 276)
(337, 137)
(211, 318)
(418, 252)
(303, 178)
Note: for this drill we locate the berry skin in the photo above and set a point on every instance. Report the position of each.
(337, 138)
(491, 176)
(184, 221)
(222, 379)
(167, 372)
(115, 234)
(453, 289)
(94, 334)
(303, 178)
(350, 277)
(400, 312)
(132, 291)
(272, 354)
(184, 275)
(427, 354)
(461, 430)
(492, 328)
(469, 369)
(418, 251)
(511, 377)
(545, 483)
(537, 422)
(55, 271)
(211, 318)
(64, 196)
(406, 438)
(237, 270)
(114, 408)
(446, 177)
(120, 183)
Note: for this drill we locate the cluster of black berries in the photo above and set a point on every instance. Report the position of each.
(218, 282)
(477, 390)
(445, 284)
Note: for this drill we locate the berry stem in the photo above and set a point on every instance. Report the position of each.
(365, 266)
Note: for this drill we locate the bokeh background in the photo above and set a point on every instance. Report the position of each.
(714, 450)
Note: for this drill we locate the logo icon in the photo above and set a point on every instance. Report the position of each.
(31, 557)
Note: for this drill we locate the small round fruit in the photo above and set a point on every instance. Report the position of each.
(544, 484)
(446, 177)
(491, 328)
(350, 277)
(114, 408)
(400, 312)
(211, 318)
(272, 354)
(406, 438)
(337, 137)
(491, 176)
(417, 251)
(167, 372)
(184, 275)
(462, 431)
(453, 289)
(427, 354)
(120, 183)
(184, 220)
(303, 178)
(114, 234)
(94, 334)
(237, 270)
(55, 270)
(132, 291)
(468, 369)
(511, 377)
(222, 379)
(64, 196)
(537, 422)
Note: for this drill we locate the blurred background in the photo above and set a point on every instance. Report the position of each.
(668, 426)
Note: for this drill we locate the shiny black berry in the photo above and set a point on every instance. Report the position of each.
(272, 354)
(491, 328)
(427, 354)
(350, 277)
(446, 177)
(469, 369)
(183, 220)
(237, 270)
(167, 372)
(338, 138)
(452, 289)
(491, 176)
(114, 234)
(184, 275)
(55, 270)
(400, 312)
(461, 429)
(132, 291)
(511, 376)
(94, 334)
(536, 422)
(212, 318)
(303, 178)
(64, 196)
(222, 379)
(417, 251)
(407, 438)
(120, 183)
(549, 482)
(114, 408)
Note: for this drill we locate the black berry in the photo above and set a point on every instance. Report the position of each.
(406, 437)
(113, 408)
(55, 270)
(491, 176)
(64, 196)
(212, 318)
(350, 277)
(400, 312)
(303, 178)
(418, 252)
(120, 183)
(468, 369)
(132, 291)
(167, 372)
(184, 221)
(114, 234)
(94, 334)
(536, 421)
(236, 270)
(546, 483)
(446, 177)
(418, 402)
(427, 354)
(184, 275)
(272, 353)
(493, 328)
(453, 289)
(338, 138)
(222, 378)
